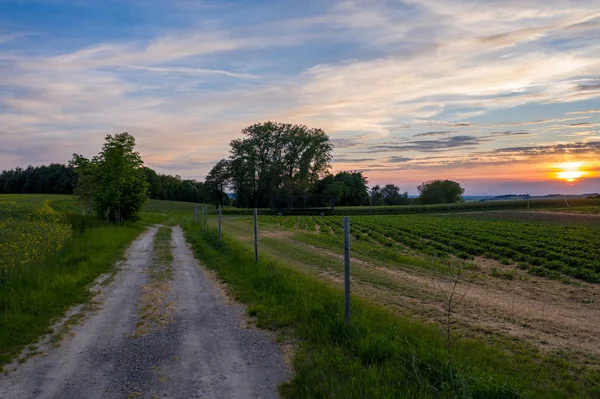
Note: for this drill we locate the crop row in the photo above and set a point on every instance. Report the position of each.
(544, 249)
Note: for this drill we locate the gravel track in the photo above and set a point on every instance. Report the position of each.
(206, 352)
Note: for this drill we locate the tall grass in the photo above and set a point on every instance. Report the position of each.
(379, 355)
(47, 263)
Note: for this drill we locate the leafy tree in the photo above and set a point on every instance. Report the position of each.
(46, 179)
(440, 192)
(217, 181)
(84, 189)
(120, 186)
(376, 196)
(347, 188)
(277, 159)
(392, 196)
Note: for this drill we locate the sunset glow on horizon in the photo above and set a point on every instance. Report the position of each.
(570, 171)
(502, 95)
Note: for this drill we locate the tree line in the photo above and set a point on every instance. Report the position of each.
(78, 177)
(274, 165)
(278, 165)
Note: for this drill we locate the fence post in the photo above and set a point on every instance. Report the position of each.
(347, 267)
(255, 235)
(195, 213)
(220, 223)
(205, 216)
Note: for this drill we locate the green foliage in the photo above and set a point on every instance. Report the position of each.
(347, 188)
(217, 180)
(548, 250)
(114, 181)
(57, 262)
(379, 355)
(277, 159)
(440, 192)
(392, 196)
(174, 188)
(121, 187)
(46, 179)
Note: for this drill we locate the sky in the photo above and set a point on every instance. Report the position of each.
(502, 96)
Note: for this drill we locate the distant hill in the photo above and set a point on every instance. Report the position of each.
(516, 197)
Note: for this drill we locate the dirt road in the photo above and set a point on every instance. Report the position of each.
(204, 351)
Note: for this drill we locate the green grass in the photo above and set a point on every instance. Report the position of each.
(38, 290)
(36, 294)
(380, 355)
(538, 204)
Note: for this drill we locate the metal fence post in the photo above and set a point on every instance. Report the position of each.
(255, 235)
(220, 223)
(347, 267)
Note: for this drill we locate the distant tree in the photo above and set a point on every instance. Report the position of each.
(217, 181)
(376, 196)
(84, 189)
(347, 188)
(120, 186)
(392, 196)
(440, 192)
(46, 179)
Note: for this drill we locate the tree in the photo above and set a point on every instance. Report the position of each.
(376, 196)
(277, 159)
(120, 186)
(46, 179)
(84, 188)
(391, 195)
(440, 192)
(216, 182)
(346, 188)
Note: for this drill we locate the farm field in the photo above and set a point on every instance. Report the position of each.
(529, 285)
(519, 325)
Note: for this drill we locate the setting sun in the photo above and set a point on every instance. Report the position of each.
(570, 171)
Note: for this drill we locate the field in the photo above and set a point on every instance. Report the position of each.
(477, 304)
(528, 278)
(550, 250)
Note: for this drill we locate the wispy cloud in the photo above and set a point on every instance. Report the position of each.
(391, 82)
(438, 133)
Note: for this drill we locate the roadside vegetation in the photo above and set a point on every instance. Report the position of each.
(379, 354)
(47, 264)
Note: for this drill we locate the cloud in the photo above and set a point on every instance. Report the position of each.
(589, 111)
(591, 147)
(400, 71)
(347, 143)
(430, 145)
(396, 160)
(439, 133)
(191, 71)
(510, 133)
(582, 124)
(595, 86)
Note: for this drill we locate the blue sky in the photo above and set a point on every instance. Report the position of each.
(494, 94)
